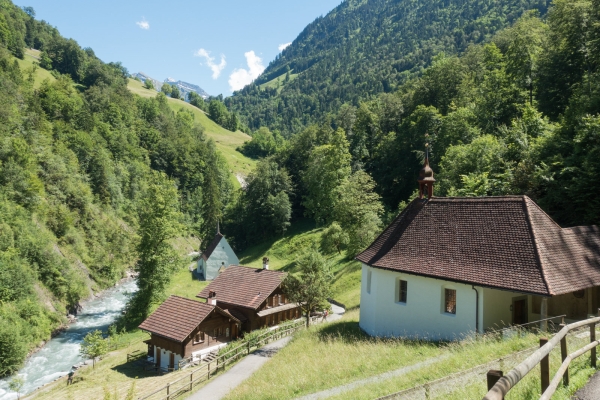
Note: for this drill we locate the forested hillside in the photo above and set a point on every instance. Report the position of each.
(518, 114)
(363, 48)
(84, 166)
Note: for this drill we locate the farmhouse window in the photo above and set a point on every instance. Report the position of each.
(450, 301)
(402, 291)
(226, 332)
(199, 337)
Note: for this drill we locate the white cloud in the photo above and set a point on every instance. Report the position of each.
(240, 77)
(143, 24)
(283, 46)
(210, 61)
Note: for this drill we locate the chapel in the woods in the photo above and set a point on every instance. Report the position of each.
(447, 267)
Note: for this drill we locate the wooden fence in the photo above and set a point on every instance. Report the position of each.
(499, 385)
(204, 372)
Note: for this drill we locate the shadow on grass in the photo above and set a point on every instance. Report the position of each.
(133, 370)
(350, 332)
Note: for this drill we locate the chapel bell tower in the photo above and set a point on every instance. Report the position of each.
(426, 178)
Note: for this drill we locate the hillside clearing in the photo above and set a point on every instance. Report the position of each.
(30, 61)
(226, 141)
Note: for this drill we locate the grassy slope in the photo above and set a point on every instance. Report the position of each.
(279, 80)
(284, 252)
(31, 57)
(226, 141)
(334, 354)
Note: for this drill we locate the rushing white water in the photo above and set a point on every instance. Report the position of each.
(57, 357)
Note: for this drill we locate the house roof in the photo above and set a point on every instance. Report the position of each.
(212, 246)
(244, 286)
(501, 242)
(177, 318)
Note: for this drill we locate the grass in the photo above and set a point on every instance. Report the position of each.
(530, 387)
(280, 80)
(226, 141)
(284, 252)
(334, 354)
(31, 59)
(110, 375)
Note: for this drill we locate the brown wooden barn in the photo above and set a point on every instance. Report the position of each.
(181, 328)
(254, 296)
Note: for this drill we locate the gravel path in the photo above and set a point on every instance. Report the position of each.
(591, 391)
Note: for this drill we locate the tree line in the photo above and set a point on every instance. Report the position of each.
(363, 48)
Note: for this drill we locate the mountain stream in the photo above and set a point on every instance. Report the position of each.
(61, 352)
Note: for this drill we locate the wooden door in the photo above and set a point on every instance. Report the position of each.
(520, 312)
(158, 352)
(171, 360)
(234, 332)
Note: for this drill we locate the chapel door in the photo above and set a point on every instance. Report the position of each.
(158, 353)
(172, 360)
(520, 312)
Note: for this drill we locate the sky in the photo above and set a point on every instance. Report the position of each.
(220, 45)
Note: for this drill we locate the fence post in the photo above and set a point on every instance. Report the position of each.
(563, 355)
(208, 371)
(545, 367)
(168, 387)
(248, 347)
(593, 339)
(492, 377)
(191, 380)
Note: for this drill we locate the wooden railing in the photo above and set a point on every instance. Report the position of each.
(500, 385)
(204, 372)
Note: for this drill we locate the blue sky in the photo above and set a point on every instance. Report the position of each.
(219, 45)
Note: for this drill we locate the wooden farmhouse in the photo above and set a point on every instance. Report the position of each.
(216, 257)
(181, 328)
(254, 296)
(446, 267)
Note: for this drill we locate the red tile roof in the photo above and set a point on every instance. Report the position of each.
(501, 242)
(212, 246)
(177, 317)
(244, 286)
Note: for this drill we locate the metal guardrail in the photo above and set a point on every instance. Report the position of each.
(499, 385)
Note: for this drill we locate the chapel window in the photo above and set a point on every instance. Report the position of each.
(450, 301)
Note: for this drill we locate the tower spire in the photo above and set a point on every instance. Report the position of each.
(426, 178)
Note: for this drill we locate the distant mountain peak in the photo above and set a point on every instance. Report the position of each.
(184, 87)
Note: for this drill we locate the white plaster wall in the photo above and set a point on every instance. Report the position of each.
(422, 315)
(222, 255)
(496, 308)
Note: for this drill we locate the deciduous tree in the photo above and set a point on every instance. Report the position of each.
(93, 346)
(311, 289)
